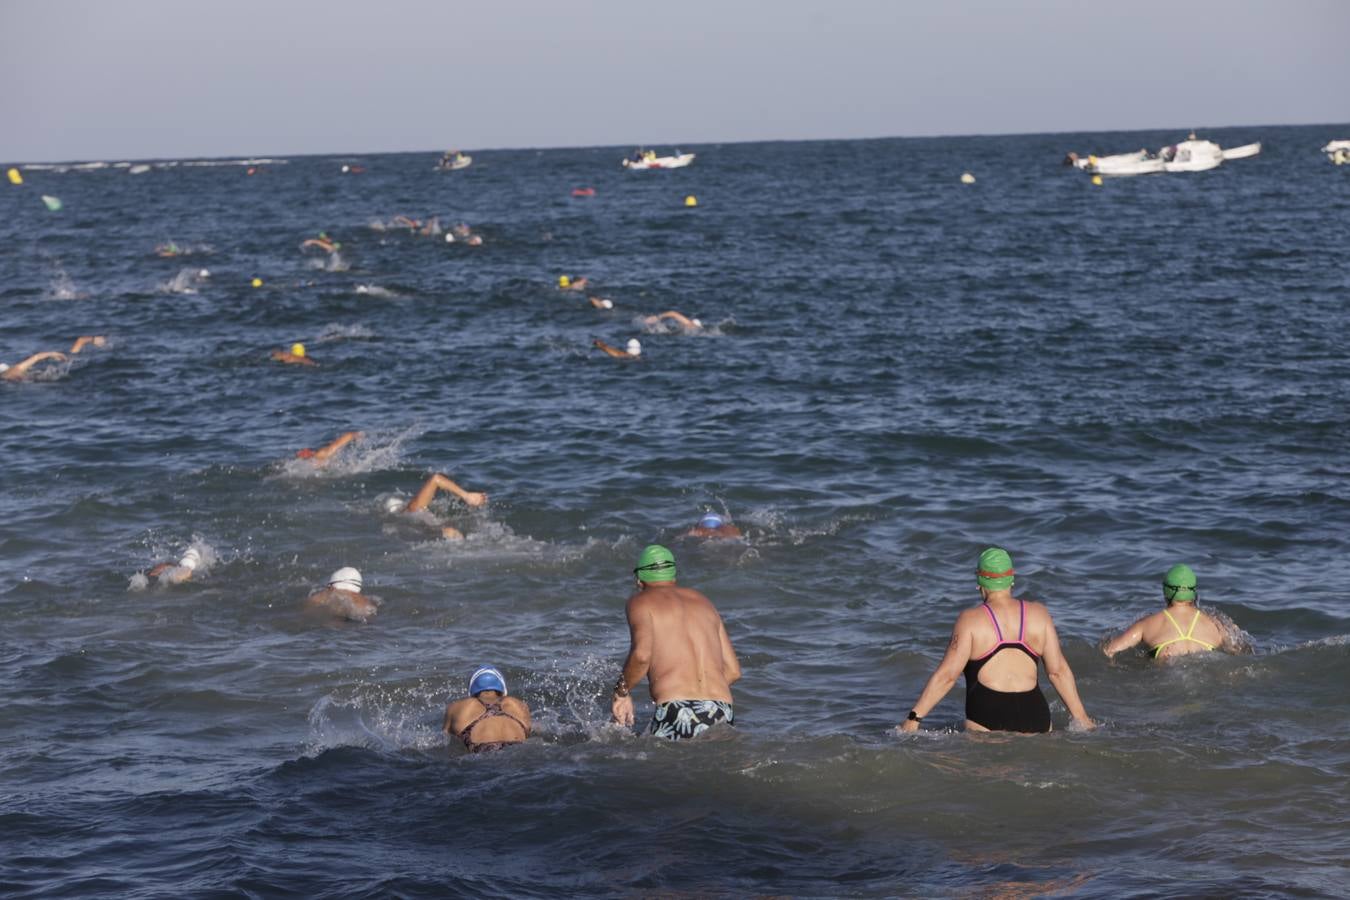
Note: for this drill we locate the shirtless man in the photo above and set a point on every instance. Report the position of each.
(325, 453)
(678, 642)
(342, 597)
(633, 349)
(423, 498)
(19, 370)
(295, 356)
(712, 525)
(1172, 632)
(487, 719)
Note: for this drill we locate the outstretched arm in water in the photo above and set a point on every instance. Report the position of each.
(945, 675)
(443, 482)
(20, 369)
(325, 453)
(1061, 676)
(83, 341)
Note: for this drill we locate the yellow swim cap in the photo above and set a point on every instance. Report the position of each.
(297, 349)
(257, 282)
(691, 200)
(563, 281)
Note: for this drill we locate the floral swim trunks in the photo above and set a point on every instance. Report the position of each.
(678, 719)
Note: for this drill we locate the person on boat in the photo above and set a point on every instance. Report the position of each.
(176, 572)
(19, 371)
(632, 351)
(342, 597)
(488, 719)
(713, 525)
(1178, 630)
(321, 456)
(1002, 689)
(678, 642)
(422, 499)
(295, 356)
(678, 318)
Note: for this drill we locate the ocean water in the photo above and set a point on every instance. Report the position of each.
(897, 371)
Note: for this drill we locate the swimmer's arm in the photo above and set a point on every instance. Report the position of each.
(681, 318)
(1130, 637)
(18, 370)
(440, 481)
(83, 341)
(1061, 676)
(944, 676)
(522, 712)
(324, 453)
(639, 658)
(612, 351)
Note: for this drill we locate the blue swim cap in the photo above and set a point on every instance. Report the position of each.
(711, 520)
(486, 678)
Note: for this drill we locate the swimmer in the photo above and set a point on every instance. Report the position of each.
(422, 499)
(1002, 688)
(431, 228)
(295, 356)
(175, 573)
(168, 250)
(461, 230)
(678, 642)
(601, 302)
(325, 453)
(19, 370)
(679, 318)
(342, 597)
(405, 222)
(322, 242)
(1168, 635)
(633, 351)
(712, 525)
(566, 283)
(487, 719)
(86, 340)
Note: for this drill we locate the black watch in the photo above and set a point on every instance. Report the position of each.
(913, 717)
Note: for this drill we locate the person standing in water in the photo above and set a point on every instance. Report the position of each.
(678, 642)
(487, 719)
(1179, 629)
(1002, 688)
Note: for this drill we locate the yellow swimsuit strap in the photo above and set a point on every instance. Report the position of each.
(1182, 635)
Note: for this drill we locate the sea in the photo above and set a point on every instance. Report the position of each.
(895, 370)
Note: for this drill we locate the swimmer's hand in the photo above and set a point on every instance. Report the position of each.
(1081, 724)
(621, 711)
(907, 726)
(474, 498)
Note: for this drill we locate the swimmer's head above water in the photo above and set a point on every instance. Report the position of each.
(634, 347)
(346, 579)
(995, 571)
(191, 559)
(1179, 584)
(297, 349)
(393, 505)
(655, 563)
(711, 520)
(486, 678)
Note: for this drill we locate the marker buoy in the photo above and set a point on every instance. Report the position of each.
(691, 200)
(257, 282)
(967, 178)
(1097, 180)
(14, 176)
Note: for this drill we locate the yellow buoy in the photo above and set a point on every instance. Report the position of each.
(967, 178)
(691, 200)
(1097, 180)
(257, 282)
(14, 176)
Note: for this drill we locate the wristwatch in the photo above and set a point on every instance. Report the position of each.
(913, 717)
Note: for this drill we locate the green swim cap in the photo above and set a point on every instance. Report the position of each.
(655, 564)
(1179, 584)
(995, 572)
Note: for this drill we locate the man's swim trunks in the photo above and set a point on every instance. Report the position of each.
(678, 719)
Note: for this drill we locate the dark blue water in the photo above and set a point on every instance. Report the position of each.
(897, 370)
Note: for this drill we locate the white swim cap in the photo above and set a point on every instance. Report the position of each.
(394, 505)
(191, 559)
(346, 579)
(449, 238)
(697, 323)
(4, 367)
(607, 304)
(204, 273)
(634, 347)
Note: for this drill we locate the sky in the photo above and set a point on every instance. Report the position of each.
(138, 79)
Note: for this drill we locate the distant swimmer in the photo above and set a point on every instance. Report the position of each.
(633, 349)
(322, 242)
(19, 371)
(567, 283)
(427, 493)
(487, 719)
(601, 302)
(295, 356)
(168, 250)
(677, 641)
(712, 525)
(342, 597)
(325, 453)
(405, 222)
(1002, 688)
(177, 572)
(87, 340)
(678, 318)
(1168, 635)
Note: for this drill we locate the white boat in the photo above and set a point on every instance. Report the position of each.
(1192, 156)
(1338, 152)
(650, 160)
(1123, 164)
(1246, 151)
(453, 163)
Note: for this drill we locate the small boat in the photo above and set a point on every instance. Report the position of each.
(1246, 151)
(1338, 152)
(1192, 156)
(647, 159)
(1122, 164)
(451, 162)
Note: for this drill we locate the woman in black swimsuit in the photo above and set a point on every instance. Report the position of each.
(487, 719)
(997, 646)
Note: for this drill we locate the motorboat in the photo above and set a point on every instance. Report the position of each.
(1123, 164)
(1338, 152)
(454, 161)
(647, 159)
(1246, 151)
(1192, 156)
